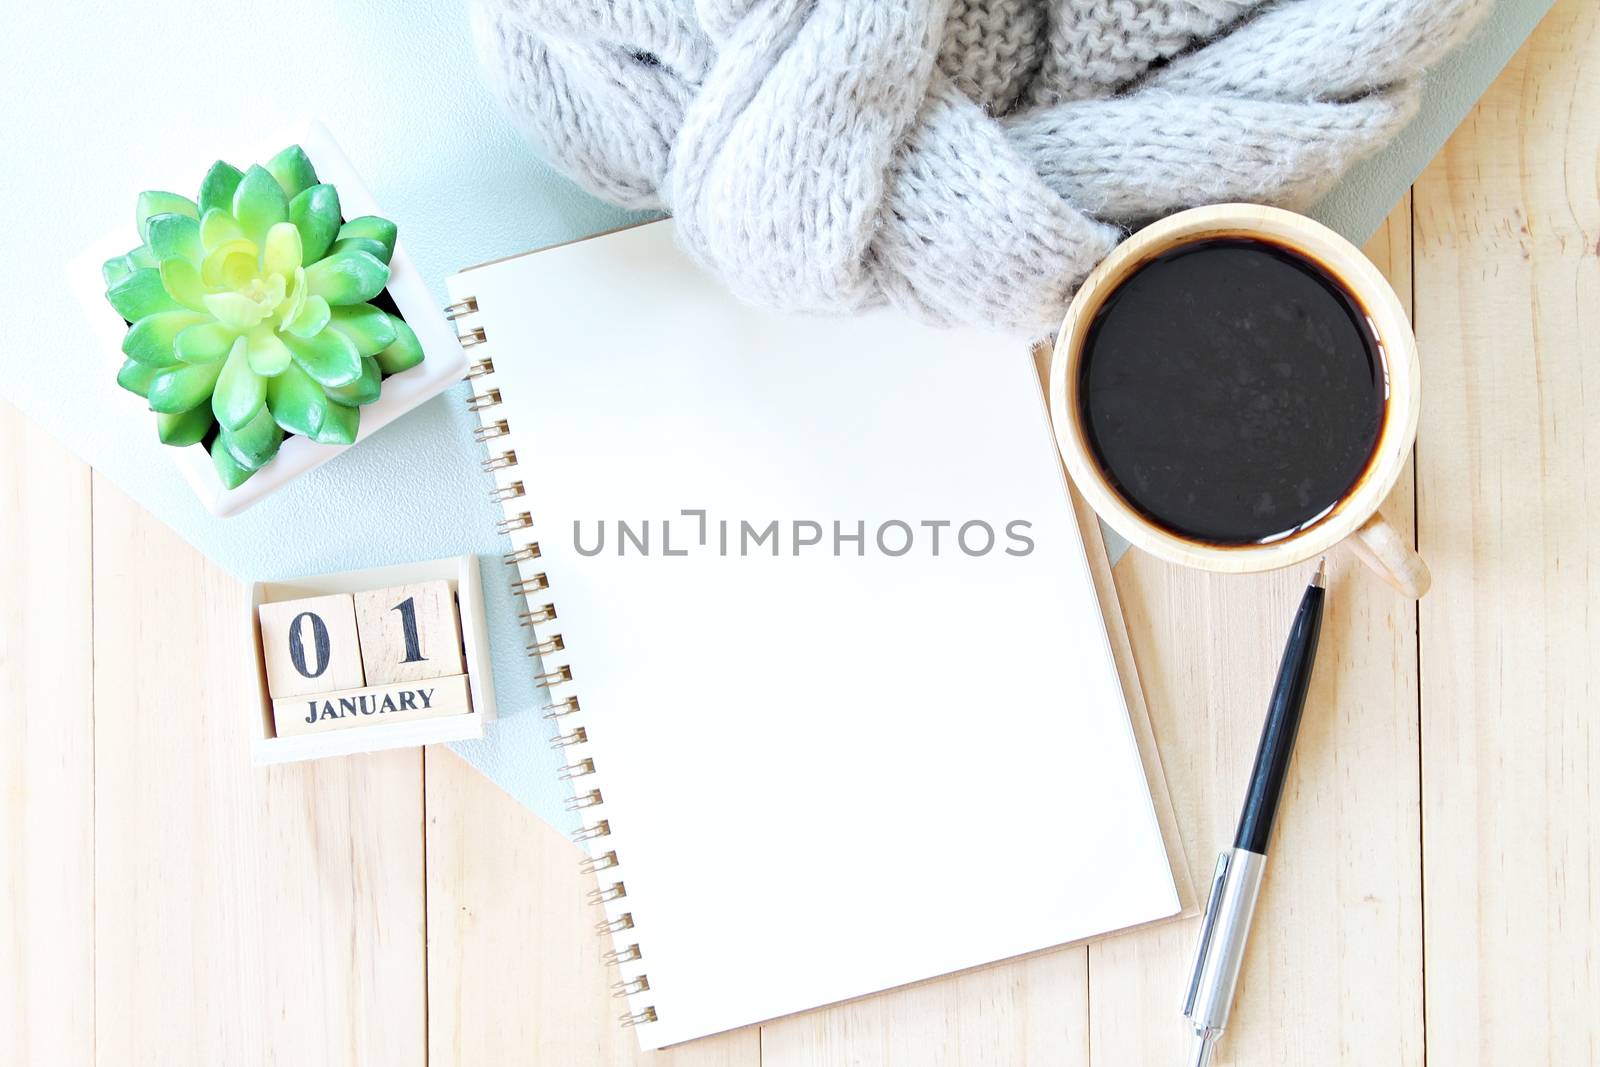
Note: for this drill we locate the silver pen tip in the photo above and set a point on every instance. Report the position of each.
(1320, 579)
(1204, 1042)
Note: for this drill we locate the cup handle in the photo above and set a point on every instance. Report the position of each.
(1380, 546)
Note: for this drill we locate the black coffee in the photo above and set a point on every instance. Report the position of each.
(1232, 391)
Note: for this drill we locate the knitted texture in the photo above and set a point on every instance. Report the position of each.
(968, 160)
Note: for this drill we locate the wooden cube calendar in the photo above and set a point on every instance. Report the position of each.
(368, 660)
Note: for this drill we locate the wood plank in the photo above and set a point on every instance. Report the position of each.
(243, 916)
(514, 970)
(1509, 318)
(1333, 971)
(46, 751)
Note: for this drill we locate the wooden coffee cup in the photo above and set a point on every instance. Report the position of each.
(1355, 519)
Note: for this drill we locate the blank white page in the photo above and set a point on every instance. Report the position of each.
(823, 775)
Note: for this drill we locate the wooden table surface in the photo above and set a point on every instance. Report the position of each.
(1435, 895)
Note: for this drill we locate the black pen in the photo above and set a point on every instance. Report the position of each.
(1237, 879)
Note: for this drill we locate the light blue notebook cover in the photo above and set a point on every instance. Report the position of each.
(99, 107)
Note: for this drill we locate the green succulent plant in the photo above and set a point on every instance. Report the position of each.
(249, 314)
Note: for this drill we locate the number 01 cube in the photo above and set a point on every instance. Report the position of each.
(310, 645)
(409, 632)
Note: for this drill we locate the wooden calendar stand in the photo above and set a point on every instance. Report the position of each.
(313, 696)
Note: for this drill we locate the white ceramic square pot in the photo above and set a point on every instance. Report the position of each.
(443, 362)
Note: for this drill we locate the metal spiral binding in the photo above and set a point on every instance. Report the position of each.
(500, 462)
(576, 736)
(498, 428)
(547, 647)
(616, 926)
(561, 707)
(622, 955)
(535, 584)
(529, 551)
(602, 862)
(543, 613)
(578, 770)
(501, 493)
(589, 833)
(615, 891)
(520, 521)
(564, 712)
(551, 679)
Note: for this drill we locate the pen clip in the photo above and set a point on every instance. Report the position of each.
(1208, 927)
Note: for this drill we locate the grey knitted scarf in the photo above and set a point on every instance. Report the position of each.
(969, 160)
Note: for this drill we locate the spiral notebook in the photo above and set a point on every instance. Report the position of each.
(821, 641)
